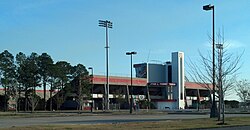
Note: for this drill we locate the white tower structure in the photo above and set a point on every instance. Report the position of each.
(166, 81)
(178, 78)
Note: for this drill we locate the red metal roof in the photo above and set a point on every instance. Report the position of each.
(192, 85)
(115, 80)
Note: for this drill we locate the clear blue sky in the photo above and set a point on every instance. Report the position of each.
(68, 30)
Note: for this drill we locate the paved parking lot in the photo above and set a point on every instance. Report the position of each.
(98, 119)
(92, 119)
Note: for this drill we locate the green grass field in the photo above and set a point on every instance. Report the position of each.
(162, 125)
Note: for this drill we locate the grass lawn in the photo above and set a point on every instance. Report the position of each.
(162, 125)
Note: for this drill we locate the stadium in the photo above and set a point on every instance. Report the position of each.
(161, 85)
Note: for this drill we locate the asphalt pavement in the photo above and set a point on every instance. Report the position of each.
(92, 119)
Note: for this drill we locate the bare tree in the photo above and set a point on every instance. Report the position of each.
(243, 90)
(119, 95)
(226, 63)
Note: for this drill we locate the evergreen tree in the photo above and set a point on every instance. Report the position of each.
(8, 76)
(29, 77)
(63, 73)
(80, 74)
(44, 63)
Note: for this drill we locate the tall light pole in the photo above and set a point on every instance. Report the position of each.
(213, 112)
(92, 87)
(131, 90)
(107, 24)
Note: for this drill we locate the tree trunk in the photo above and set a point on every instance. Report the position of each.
(26, 100)
(19, 97)
(219, 109)
(33, 100)
(5, 99)
(198, 99)
(57, 99)
(80, 95)
(127, 95)
(223, 110)
(50, 97)
(44, 94)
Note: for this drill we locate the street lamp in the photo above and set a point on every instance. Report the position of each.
(92, 87)
(131, 91)
(107, 24)
(213, 110)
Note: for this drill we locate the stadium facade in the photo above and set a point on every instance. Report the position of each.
(163, 85)
(168, 77)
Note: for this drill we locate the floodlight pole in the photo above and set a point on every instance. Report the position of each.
(107, 24)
